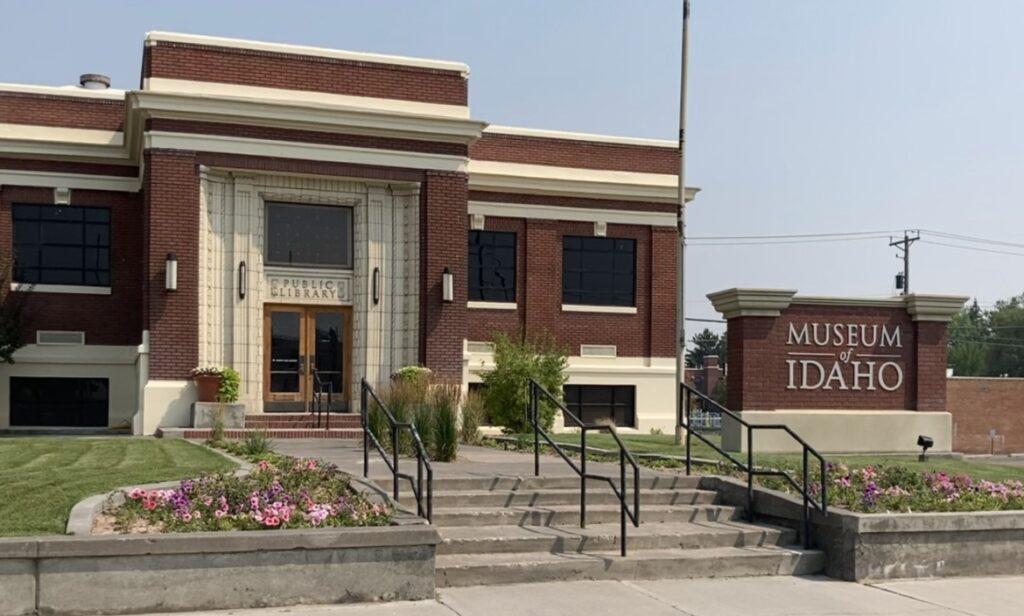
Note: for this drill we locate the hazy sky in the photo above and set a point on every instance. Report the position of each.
(805, 116)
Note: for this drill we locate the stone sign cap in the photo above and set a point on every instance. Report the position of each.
(751, 302)
(934, 307)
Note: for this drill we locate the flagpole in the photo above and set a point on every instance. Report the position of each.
(681, 252)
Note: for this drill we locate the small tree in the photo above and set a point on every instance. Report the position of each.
(507, 386)
(13, 319)
(706, 343)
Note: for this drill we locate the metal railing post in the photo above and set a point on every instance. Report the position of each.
(807, 504)
(394, 459)
(330, 399)
(535, 420)
(689, 429)
(364, 412)
(420, 509)
(622, 498)
(583, 478)
(750, 472)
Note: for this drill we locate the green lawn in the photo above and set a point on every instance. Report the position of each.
(665, 444)
(41, 478)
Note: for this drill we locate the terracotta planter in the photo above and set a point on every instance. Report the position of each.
(207, 386)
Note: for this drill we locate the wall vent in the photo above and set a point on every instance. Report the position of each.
(59, 337)
(598, 350)
(480, 347)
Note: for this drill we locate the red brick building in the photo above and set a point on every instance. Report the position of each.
(286, 210)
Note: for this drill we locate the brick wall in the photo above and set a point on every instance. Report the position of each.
(62, 111)
(114, 319)
(304, 136)
(171, 206)
(575, 153)
(760, 376)
(979, 405)
(443, 243)
(299, 72)
(649, 332)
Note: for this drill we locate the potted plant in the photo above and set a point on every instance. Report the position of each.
(208, 380)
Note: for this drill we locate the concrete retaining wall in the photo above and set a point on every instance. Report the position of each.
(127, 574)
(866, 547)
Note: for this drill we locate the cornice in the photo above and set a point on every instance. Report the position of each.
(738, 302)
(940, 308)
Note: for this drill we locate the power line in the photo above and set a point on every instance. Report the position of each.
(969, 238)
(1001, 252)
(792, 235)
(772, 242)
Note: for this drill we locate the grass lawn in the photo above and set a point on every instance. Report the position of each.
(665, 444)
(42, 478)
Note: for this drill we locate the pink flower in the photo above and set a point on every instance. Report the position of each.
(149, 504)
(271, 521)
(311, 464)
(186, 517)
(220, 513)
(137, 493)
(869, 473)
(263, 464)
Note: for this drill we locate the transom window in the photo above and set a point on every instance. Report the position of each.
(492, 266)
(309, 235)
(61, 245)
(598, 271)
(592, 403)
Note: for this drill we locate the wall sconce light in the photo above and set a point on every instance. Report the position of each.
(242, 281)
(171, 272)
(447, 286)
(376, 286)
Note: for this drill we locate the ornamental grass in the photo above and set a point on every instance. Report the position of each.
(286, 493)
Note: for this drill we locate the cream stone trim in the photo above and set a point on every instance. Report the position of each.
(76, 354)
(85, 136)
(867, 302)
(363, 119)
(555, 212)
(70, 289)
(492, 305)
(520, 131)
(751, 302)
(940, 308)
(573, 182)
(302, 151)
(76, 91)
(600, 309)
(154, 38)
(74, 181)
(303, 97)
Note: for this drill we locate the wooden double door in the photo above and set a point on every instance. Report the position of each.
(306, 348)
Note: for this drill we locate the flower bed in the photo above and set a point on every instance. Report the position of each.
(278, 494)
(900, 489)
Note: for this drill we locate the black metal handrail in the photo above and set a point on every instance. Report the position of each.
(424, 501)
(319, 389)
(821, 504)
(536, 391)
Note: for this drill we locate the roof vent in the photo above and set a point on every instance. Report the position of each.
(94, 81)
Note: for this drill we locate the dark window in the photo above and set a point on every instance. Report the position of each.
(492, 266)
(53, 401)
(62, 245)
(317, 235)
(598, 271)
(592, 403)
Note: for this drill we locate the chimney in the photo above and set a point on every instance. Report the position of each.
(94, 81)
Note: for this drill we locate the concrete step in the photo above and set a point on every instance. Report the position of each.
(605, 537)
(513, 568)
(569, 515)
(560, 496)
(505, 483)
(200, 434)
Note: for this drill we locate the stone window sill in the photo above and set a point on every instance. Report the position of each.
(59, 288)
(599, 309)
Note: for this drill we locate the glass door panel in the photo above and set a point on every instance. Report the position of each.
(286, 361)
(329, 349)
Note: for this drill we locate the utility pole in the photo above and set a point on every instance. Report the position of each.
(904, 246)
(681, 256)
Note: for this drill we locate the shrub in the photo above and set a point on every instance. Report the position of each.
(412, 373)
(515, 363)
(472, 416)
(257, 442)
(217, 425)
(230, 385)
(286, 493)
(444, 405)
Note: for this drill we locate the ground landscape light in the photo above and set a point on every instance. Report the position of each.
(171, 272)
(924, 442)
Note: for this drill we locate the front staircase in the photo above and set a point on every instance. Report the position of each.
(505, 530)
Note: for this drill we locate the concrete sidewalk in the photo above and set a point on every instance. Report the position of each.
(763, 596)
